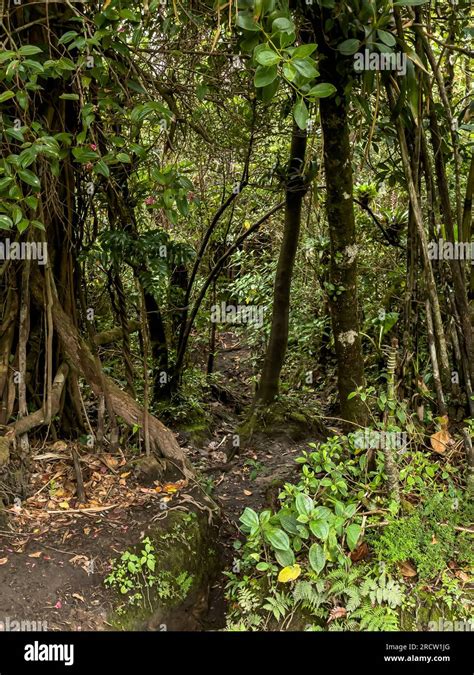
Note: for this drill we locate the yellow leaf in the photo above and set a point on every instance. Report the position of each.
(64, 505)
(247, 224)
(106, 4)
(289, 573)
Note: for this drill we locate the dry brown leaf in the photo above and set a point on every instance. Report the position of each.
(59, 445)
(37, 554)
(462, 576)
(337, 613)
(359, 553)
(440, 441)
(79, 597)
(3, 561)
(247, 492)
(407, 569)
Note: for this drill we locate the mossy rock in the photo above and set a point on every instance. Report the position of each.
(428, 609)
(184, 544)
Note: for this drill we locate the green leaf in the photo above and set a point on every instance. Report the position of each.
(322, 90)
(352, 535)
(304, 504)
(303, 51)
(250, 519)
(6, 95)
(247, 22)
(387, 38)
(267, 57)
(84, 154)
(69, 97)
(317, 558)
(277, 538)
(123, 157)
(30, 178)
(265, 75)
(349, 47)
(320, 528)
(5, 182)
(29, 50)
(283, 25)
(6, 223)
(22, 225)
(305, 68)
(285, 558)
(39, 225)
(102, 168)
(300, 112)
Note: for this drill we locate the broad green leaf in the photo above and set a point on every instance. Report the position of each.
(285, 558)
(322, 90)
(264, 75)
(267, 57)
(6, 223)
(30, 178)
(320, 528)
(303, 51)
(249, 518)
(283, 25)
(304, 504)
(352, 535)
(69, 97)
(349, 47)
(246, 22)
(305, 68)
(387, 38)
(300, 112)
(317, 558)
(277, 538)
(29, 50)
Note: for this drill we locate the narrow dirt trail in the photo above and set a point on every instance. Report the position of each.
(54, 557)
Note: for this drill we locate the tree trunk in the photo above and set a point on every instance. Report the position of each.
(343, 264)
(295, 191)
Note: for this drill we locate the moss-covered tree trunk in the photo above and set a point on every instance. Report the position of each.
(343, 263)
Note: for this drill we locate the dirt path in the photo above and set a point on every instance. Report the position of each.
(53, 559)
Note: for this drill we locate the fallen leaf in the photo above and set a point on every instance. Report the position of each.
(407, 569)
(37, 554)
(3, 561)
(64, 505)
(440, 441)
(125, 475)
(359, 553)
(289, 573)
(247, 492)
(59, 445)
(462, 576)
(337, 613)
(78, 597)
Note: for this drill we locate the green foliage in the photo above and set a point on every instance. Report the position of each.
(133, 575)
(427, 536)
